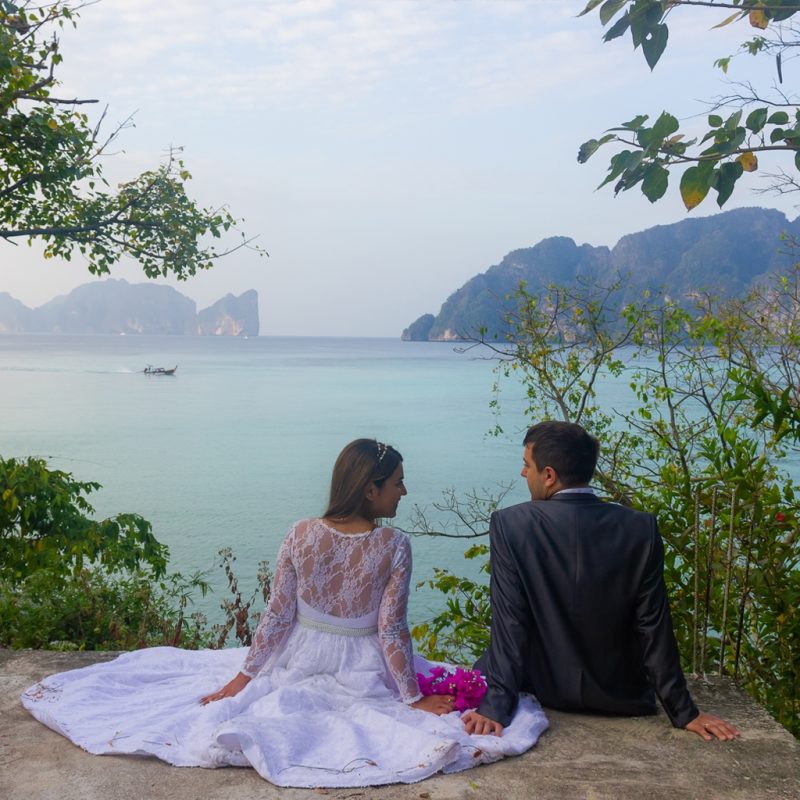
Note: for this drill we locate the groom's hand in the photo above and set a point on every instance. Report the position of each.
(708, 726)
(478, 724)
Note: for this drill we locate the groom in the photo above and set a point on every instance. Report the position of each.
(579, 606)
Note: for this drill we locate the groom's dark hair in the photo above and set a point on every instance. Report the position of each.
(566, 447)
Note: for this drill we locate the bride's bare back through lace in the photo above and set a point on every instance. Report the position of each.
(345, 575)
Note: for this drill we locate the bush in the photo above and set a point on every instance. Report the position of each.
(95, 610)
(46, 524)
(68, 581)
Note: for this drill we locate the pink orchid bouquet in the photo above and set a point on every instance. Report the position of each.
(466, 685)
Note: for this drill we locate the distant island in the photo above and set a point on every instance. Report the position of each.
(116, 306)
(724, 254)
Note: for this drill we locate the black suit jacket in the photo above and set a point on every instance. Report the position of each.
(579, 612)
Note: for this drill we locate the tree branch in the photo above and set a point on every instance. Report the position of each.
(677, 158)
(61, 101)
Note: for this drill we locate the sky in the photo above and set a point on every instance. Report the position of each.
(382, 151)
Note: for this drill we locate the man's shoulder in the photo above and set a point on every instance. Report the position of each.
(518, 510)
(521, 514)
(542, 509)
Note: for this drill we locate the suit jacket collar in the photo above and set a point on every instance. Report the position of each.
(582, 497)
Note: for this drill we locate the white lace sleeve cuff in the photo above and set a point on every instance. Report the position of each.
(414, 699)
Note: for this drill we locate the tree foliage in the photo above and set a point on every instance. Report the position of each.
(742, 125)
(52, 186)
(691, 435)
(97, 610)
(46, 523)
(69, 581)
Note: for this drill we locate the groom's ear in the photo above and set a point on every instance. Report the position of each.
(550, 476)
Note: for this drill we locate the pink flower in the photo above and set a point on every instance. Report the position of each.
(466, 685)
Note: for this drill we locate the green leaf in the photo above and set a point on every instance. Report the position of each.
(633, 160)
(777, 135)
(797, 159)
(619, 162)
(654, 44)
(655, 182)
(727, 142)
(695, 183)
(587, 149)
(726, 178)
(590, 6)
(756, 119)
(609, 9)
(779, 118)
(664, 126)
(733, 120)
(639, 30)
(618, 28)
(635, 123)
(714, 120)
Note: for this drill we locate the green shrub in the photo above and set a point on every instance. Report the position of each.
(68, 581)
(96, 610)
(46, 524)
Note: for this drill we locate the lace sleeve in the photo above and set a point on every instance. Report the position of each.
(393, 626)
(278, 617)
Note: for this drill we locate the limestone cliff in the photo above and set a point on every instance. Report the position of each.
(118, 307)
(230, 316)
(725, 254)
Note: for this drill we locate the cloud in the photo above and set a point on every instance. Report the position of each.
(321, 53)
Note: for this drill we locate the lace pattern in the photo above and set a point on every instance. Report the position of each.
(346, 576)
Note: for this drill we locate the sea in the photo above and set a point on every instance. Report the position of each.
(240, 441)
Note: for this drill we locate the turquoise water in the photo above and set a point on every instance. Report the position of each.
(240, 442)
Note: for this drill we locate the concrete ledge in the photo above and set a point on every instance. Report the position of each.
(580, 758)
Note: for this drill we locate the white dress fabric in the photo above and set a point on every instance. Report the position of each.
(333, 674)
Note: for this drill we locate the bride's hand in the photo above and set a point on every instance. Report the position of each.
(435, 703)
(229, 689)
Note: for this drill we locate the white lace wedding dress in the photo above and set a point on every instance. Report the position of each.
(333, 674)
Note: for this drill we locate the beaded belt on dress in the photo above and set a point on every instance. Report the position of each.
(340, 629)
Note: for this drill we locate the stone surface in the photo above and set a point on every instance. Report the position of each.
(581, 757)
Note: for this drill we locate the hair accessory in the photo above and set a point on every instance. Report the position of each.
(383, 449)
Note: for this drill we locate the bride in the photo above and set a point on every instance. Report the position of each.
(327, 694)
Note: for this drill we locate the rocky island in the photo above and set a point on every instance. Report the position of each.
(725, 254)
(118, 307)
